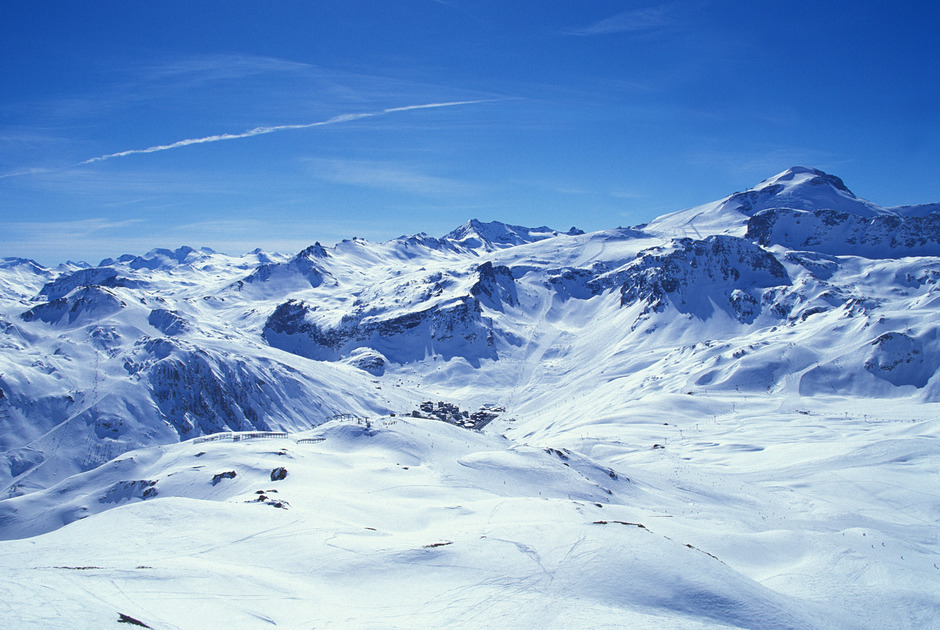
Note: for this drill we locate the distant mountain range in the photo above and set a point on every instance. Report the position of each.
(176, 344)
(726, 417)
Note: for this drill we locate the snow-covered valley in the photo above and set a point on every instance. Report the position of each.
(725, 418)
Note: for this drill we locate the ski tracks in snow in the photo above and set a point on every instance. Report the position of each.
(539, 341)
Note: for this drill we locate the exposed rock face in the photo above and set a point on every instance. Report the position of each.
(168, 322)
(409, 245)
(94, 277)
(455, 328)
(82, 306)
(368, 360)
(721, 270)
(160, 258)
(581, 283)
(493, 235)
(305, 267)
(440, 320)
(495, 287)
(199, 395)
(846, 234)
(899, 359)
(820, 265)
(124, 491)
(218, 477)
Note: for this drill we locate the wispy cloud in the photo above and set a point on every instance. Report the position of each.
(632, 21)
(103, 188)
(387, 176)
(225, 66)
(25, 171)
(258, 131)
(72, 229)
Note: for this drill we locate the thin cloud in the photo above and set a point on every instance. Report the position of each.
(103, 188)
(72, 229)
(53, 242)
(26, 171)
(258, 131)
(387, 176)
(633, 21)
(224, 66)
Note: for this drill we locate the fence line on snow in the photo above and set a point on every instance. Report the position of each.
(235, 437)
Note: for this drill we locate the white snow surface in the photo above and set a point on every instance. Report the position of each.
(797, 188)
(692, 424)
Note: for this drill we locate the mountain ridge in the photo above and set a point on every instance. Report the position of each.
(473, 298)
(755, 377)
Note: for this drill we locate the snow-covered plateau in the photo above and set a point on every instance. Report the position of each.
(727, 417)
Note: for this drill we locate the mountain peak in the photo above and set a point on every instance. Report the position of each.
(797, 188)
(492, 235)
(799, 176)
(12, 262)
(803, 188)
(314, 251)
(160, 258)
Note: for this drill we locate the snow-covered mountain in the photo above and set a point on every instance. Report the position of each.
(493, 235)
(797, 188)
(764, 364)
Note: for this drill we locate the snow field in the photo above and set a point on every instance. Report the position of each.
(417, 522)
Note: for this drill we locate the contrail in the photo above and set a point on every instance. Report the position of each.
(259, 131)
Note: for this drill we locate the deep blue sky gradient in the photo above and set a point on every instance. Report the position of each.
(596, 114)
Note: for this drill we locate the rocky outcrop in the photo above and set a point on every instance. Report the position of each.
(94, 277)
(81, 306)
(899, 359)
(160, 258)
(493, 235)
(453, 328)
(304, 268)
(199, 394)
(693, 275)
(583, 283)
(578, 283)
(847, 234)
(821, 266)
(433, 314)
(168, 322)
(368, 360)
(495, 286)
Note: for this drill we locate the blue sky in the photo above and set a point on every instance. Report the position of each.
(239, 124)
